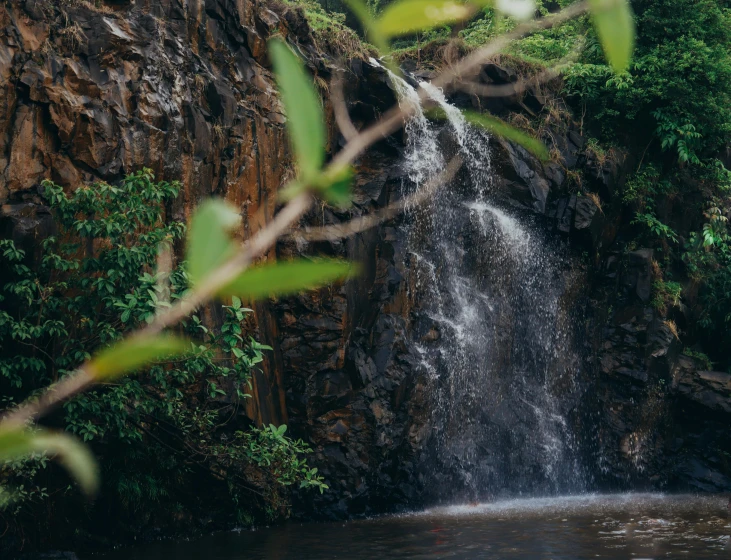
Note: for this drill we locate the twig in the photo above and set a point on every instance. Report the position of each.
(639, 165)
(340, 108)
(393, 119)
(265, 238)
(362, 223)
(515, 88)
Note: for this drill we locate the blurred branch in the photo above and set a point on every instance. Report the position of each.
(362, 223)
(515, 88)
(340, 108)
(291, 213)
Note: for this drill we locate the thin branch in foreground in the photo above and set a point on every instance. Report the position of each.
(362, 223)
(393, 119)
(508, 90)
(340, 108)
(282, 222)
(516, 88)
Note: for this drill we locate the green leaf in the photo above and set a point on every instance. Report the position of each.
(504, 130)
(287, 277)
(16, 443)
(334, 186)
(209, 240)
(616, 29)
(409, 16)
(134, 353)
(518, 9)
(305, 122)
(363, 13)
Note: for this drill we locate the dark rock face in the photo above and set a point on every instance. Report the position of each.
(183, 88)
(711, 389)
(658, 419)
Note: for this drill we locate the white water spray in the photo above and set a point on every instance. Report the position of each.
(423, 155)
(490, 286)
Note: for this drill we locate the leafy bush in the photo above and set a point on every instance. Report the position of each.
(93, 283)
(665, 294)
(655, 226)
(678, 87)
(702, 358)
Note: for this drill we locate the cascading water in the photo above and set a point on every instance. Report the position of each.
(493, 336)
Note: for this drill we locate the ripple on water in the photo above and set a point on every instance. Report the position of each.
(567, 528)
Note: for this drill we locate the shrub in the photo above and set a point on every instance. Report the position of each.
(93, 283)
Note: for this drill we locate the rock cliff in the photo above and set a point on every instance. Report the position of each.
(93, 92)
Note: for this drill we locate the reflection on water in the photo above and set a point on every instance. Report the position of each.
(620, 526)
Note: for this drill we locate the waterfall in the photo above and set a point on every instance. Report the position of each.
(495, 343)
(424, 154)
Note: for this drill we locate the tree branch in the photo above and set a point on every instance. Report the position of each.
(265, 238)
(515, 88)
(347, 128)
(393, 119)
(362, 223)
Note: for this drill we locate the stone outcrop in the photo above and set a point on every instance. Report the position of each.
(711, 389)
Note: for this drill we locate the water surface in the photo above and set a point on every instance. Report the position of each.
(598, 526)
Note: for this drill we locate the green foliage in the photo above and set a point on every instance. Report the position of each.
(270, 449)
(485, 27)
(680, 76)
(655, 226)
(616, 30)
(306, 124)
(287, 277)
(93, 284)
(682, 137)
(704, 360)
(665, 294)
(642, 188)
(641, 192)
(707, 257)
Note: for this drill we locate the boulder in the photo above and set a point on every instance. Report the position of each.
(711, 389)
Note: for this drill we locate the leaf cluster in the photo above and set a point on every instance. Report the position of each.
(94, 282)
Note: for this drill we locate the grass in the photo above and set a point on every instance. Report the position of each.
(330, 33)
(665, 294)
(700, 357)
(594, 197)
(672, 327)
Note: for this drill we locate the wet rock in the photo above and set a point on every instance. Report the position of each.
(711, 389)
(639, 275)
(606, 172)
(522, 168)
